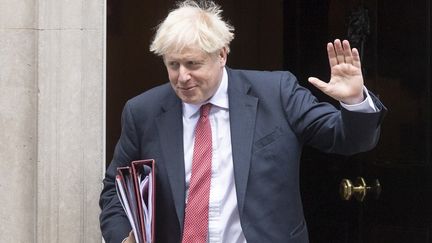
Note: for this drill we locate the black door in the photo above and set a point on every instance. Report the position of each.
(394, 39)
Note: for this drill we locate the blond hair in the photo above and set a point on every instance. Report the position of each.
(193, 25)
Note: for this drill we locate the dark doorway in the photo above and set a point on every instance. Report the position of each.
(395, 42)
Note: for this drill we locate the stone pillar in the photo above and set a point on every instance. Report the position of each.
(18, 121)
(52, 119)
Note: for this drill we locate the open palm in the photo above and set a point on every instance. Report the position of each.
(346, 82)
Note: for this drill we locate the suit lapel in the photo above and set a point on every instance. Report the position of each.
(243, 108)
(170, 127)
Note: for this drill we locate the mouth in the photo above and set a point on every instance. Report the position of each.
(186, 88)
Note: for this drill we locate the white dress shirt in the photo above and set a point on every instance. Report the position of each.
(224, 219)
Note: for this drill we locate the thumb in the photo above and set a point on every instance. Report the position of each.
(321, 85)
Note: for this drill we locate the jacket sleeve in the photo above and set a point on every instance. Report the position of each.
(113, 220)
(325, 127)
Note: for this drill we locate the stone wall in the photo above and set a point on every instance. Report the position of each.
(52, 88)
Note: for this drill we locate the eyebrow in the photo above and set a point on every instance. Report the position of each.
(184, 59)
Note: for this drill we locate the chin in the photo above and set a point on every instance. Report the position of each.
(189, 100)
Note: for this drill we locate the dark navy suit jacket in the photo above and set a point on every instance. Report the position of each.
(271, 119)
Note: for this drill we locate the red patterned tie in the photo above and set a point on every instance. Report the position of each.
(196, 214)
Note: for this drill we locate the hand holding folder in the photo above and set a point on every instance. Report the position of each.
(135, 187)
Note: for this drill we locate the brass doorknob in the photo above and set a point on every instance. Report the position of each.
(359, 189)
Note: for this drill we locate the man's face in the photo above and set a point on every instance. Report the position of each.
(195, 75)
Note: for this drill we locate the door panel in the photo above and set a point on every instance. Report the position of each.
(396, 59)
(402, 161)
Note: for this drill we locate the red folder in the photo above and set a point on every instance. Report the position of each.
(136, 186)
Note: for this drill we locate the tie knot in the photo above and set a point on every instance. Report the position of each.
(205, 110)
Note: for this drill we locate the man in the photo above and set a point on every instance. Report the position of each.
(254, 126)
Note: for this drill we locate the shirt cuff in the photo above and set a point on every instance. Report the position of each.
(366, 106)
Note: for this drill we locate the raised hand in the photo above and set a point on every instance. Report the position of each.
(346, 82)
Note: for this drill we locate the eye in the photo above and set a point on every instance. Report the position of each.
(193, 64)
(173, 65)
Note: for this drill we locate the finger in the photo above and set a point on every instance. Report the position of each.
(339, 51)
(331, 55)
(347, 52)
(131, 238)
(356, 58)
(321, 85)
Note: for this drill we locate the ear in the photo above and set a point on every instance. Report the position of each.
(223, 56)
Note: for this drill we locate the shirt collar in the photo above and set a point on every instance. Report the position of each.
(220, 98)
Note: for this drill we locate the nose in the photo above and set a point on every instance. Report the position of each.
(184, 74)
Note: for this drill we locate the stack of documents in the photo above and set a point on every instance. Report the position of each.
(135, 186)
